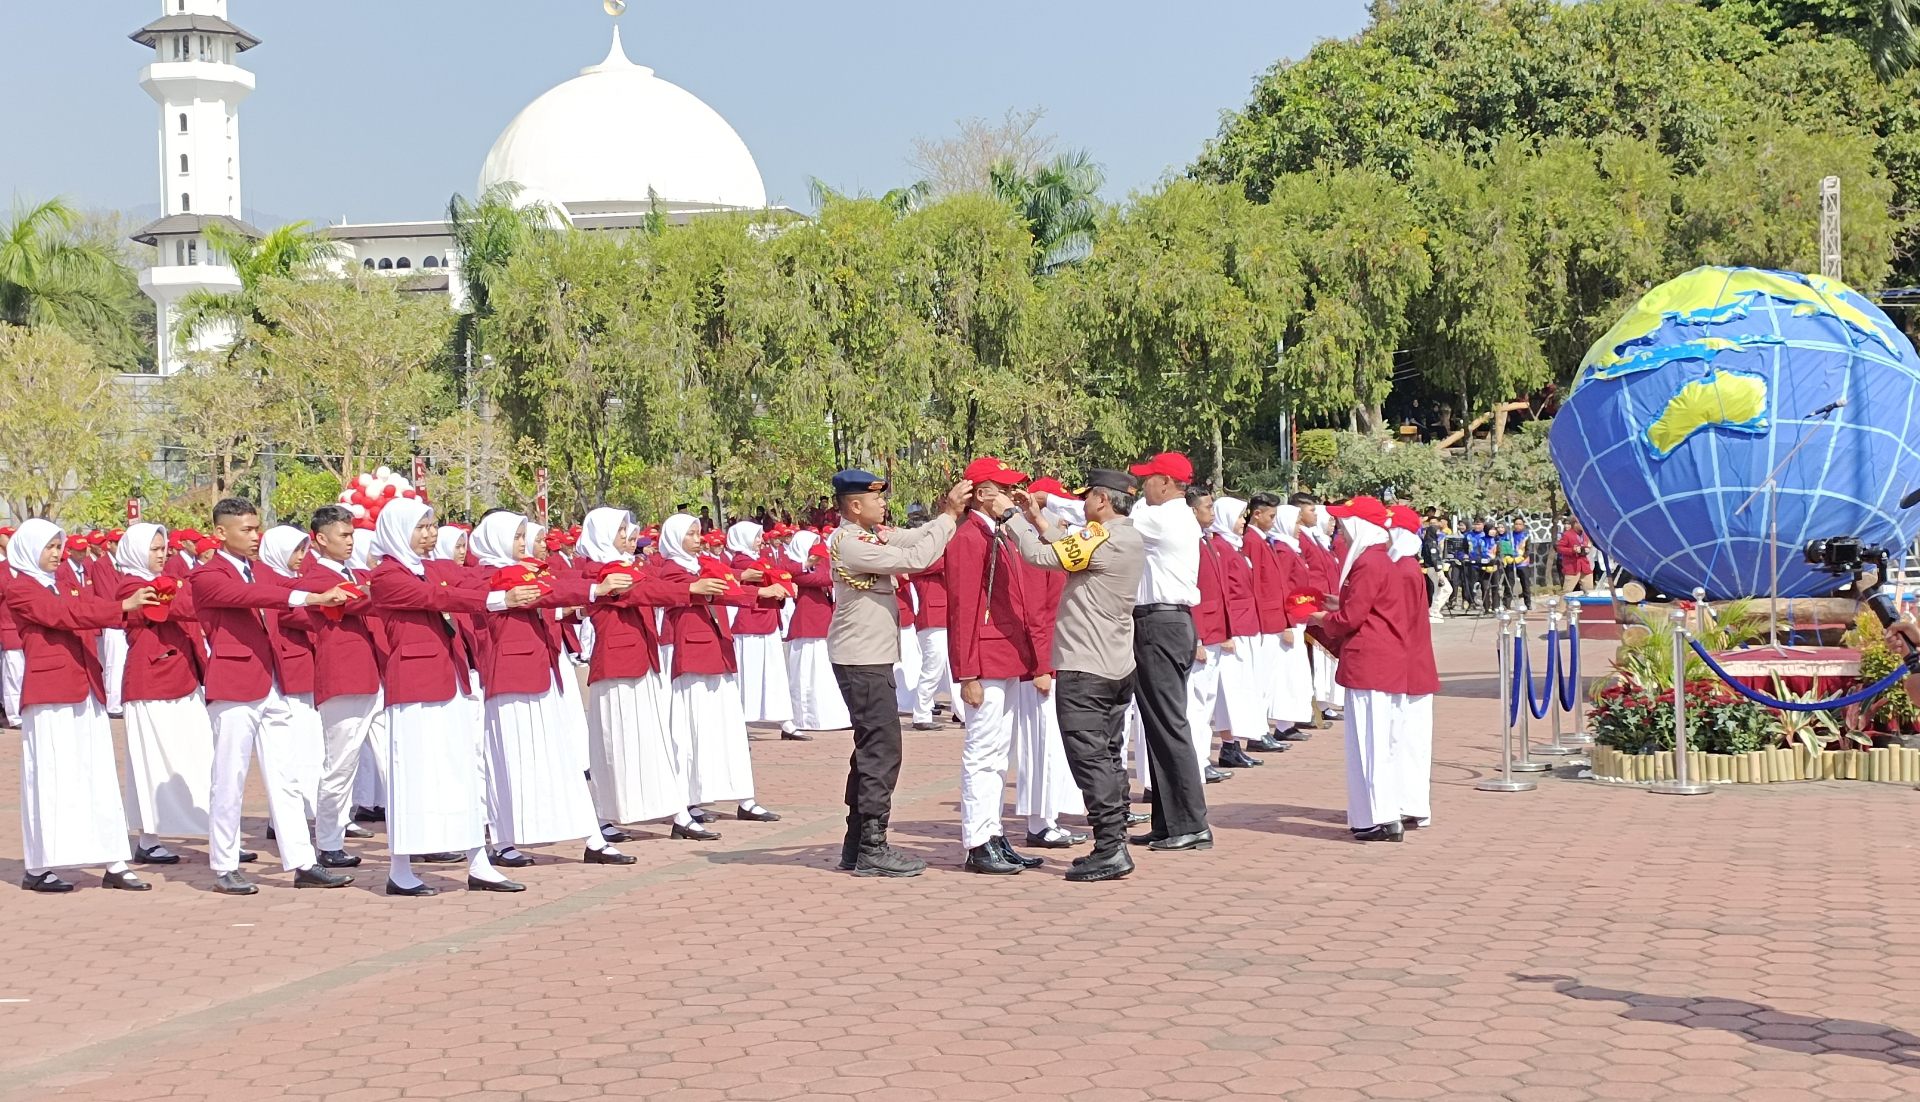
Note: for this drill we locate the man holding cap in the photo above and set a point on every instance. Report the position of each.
(1163, 645)
(863, 643)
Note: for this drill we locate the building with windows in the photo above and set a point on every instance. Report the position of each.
(604, 150)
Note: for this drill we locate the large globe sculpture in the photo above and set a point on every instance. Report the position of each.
(1684, 408)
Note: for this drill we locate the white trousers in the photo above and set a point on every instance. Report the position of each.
(14, 670)
(906, 672)
(983, 762)
(1203, 701)
(933, 676)
(113, 665)
(311, 737)
(240, 728)
(348, 724)
(1442, 591)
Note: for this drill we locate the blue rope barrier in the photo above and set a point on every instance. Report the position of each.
(1513, 686)
(1570, 670)
(1858, 696)
(1543, 703)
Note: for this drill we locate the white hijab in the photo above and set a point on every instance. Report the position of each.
(278, 547)
(1286, 525)
(598, 532)
(1069, 511)
(492, 539)
(131, 556)
(1361, 534)
(393, 532)
(742, 536)
(802, 545)
(673, 536)
(23, 553)
(446, 541)
(1227, 512)
(362, 544)
(1403, 543)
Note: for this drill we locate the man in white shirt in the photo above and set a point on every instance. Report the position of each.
(1163, 645)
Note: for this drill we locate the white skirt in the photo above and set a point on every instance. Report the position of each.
(817, 704)
(1291, 699)
(1043, 784)
(1325, 689)
(572, 713)
(1241, 708)
(536, 790)
(705, 716)
(435, 801)
(169, 765)
(113, 665)
(310, 747)
(1389, 757)
(638, 770)
(906, 672)
(765, 696)
(70, 809)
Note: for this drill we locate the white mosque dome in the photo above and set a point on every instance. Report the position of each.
(605, 139)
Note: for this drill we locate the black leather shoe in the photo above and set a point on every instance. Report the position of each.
(232, 883)
(702, 815)
(761, 815)
(1111, 865)
(1008, 853)
(336, 859)
(1267, 744)
(369, 814)
(796, 736)
(1057, 838)
(614, 834)
(248, 857)
(145, 856)
(608, 857)
(317, 877)
(440, 858)
(1215, 776)
(1147, 839)
(475, 884)
(45, 882)
(1297, 734)
(1199, 839)
(926, 726)
(418, 891)
(694, 832)
(985, 858)
(511, 859)
(1232, 757)
(271, 836)
(125, 881)
(1135, 818)
(355, 830)
(1385, 832)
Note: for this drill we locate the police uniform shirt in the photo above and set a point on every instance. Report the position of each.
(866, 615)
(1093, 629)
(1171, 538)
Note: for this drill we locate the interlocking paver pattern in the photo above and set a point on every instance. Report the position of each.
(1577, 942)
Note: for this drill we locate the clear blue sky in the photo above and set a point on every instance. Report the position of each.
(379, 109)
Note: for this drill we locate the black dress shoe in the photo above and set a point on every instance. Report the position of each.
(336, 859)
(125, 881)
(796, 736)
(419, 890)
(1008, 853)
(248, 857)
(608, 857)
(317, 877)
(1199, 839)
(1058, 838)
(1135, 818)
(1232, 757)
(232, 883)
(1297, 734)
(1267, 744)
(1215, 776)
(355, 830)
(143, 855)
(475, 884)
(1147, 839)
(694, 832)
(1111, 865)
(702, 815)
(926, 726)
(1385, 832)
(511, 859)
(440, 858)
(45, 882)
(758, 815)
(985, 858)
(369, 814)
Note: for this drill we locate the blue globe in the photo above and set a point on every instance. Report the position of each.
(1708, 385)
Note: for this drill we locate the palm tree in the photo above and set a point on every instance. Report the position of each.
(1892, 42)
(49, 275)
(1058, 201)
(296, 249)
(487, 234)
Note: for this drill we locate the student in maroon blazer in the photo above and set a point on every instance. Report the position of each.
(1210, 632)
(930, 636)
(765, 696)
(169, 738)
(104, 581)
(1240, 710)
(1323, 567)
(1386, 664)
(246, 686)
(349, 648)
(71, 812)
(817, 704)
(13, 663)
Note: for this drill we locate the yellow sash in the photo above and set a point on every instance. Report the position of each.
(1076, 551)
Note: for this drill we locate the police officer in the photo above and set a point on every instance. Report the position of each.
(863, 644)
(1093, 652)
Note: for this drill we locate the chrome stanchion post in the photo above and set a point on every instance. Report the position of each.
(1700, 613)
(1681, 784)
(1505, 782)
(1558, 748)
(1525, 763)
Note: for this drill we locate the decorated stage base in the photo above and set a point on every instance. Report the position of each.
(1887, 764)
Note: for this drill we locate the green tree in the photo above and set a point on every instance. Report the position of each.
(53, 274)
(1058, 202)
(296, 250)
(63, 425)
(488, 233)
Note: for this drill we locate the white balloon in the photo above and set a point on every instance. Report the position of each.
(383, 473)
(359, 511)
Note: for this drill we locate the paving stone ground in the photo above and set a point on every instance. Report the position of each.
(1576, 942)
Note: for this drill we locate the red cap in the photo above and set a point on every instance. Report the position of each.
(1051, 487)
(1404, 517)
(204, 544)
(114, 535)
(97, 538)
(1172, 464)
(989, 468)
(1369, 509)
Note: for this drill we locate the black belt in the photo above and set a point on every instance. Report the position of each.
(1142, 610)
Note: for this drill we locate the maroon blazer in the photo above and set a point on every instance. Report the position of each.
(102, 575)
(234, 615)
(9, 631)
(763, 616)
(1210, 615)
(1299, 577)
(179, 565)
(1043, 602)
(292, 630)
(1236, 582)
(930, 595)
(1322, 567)
(625, 644)
(1380, 630)
(57, 633)
(903, 593)
(523, 655)
(348, 653)
(986, 617)
(426, 660)
(164, 660)
(702, 641)
(1272, 582)
(813, 607)
(73, 579)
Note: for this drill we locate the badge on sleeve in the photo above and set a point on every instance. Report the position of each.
(1076, 551)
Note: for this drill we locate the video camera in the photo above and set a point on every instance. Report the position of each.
(1864, 564)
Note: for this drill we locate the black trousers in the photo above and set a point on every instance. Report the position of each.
(1092, 712)
(1163, 643)
(874, 768)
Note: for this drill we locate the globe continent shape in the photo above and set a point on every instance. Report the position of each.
(1681, 411)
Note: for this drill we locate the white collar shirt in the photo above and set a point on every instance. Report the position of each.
(1172, 539)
